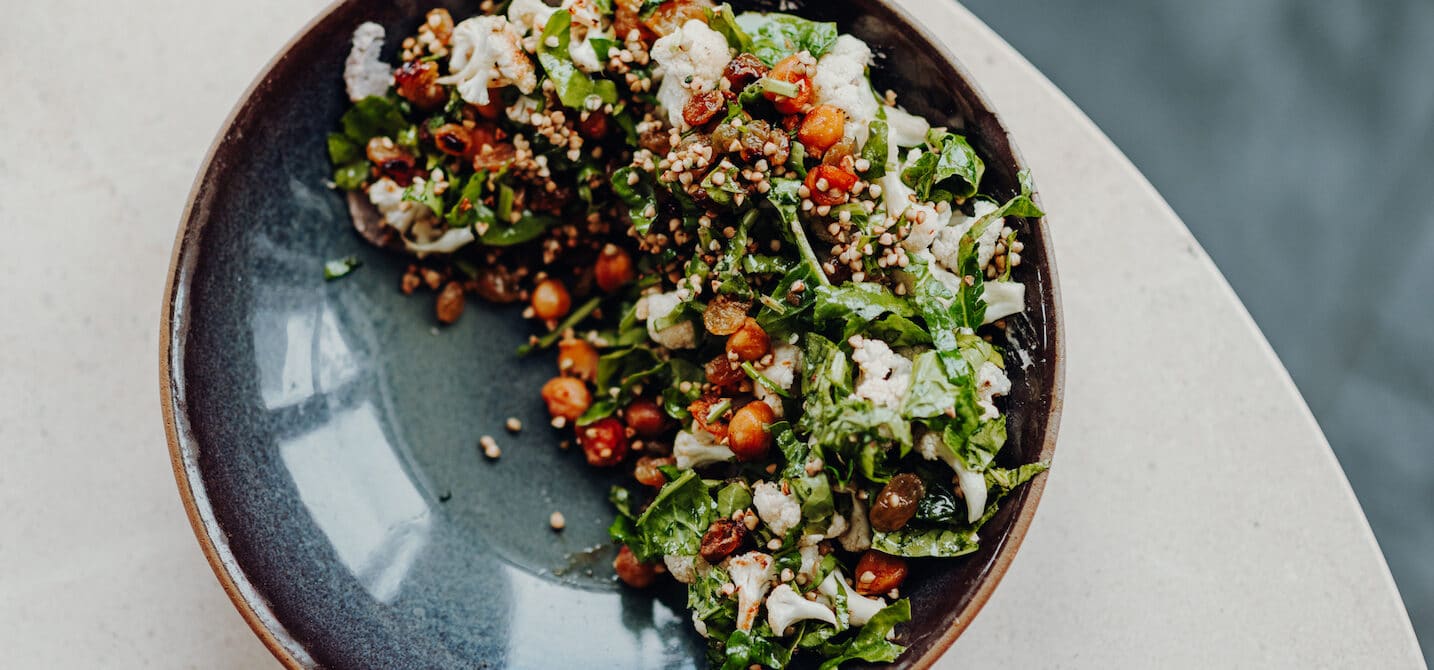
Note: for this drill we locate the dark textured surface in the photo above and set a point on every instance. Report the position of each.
(1296, 139)
(330, 429)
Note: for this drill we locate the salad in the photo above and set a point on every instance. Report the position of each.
(775, 295)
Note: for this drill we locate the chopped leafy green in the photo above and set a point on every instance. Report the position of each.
(870, 644)
(634, 188)
(574, 88)
(775, 36)
(948, 169)
(733, 497)
(875, 150)
(722, 20)
(913, 542)
(372, 117)
(351, 177)
(528, 227)
(340, 267)
(746, 649)
(572, 320)
(676, 519)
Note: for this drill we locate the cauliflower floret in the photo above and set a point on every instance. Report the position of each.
(786, 362)
(808, 547)
(885, 375)
(858, 536)
(752, 573)
(488, 53)
(1003, 298)
(387, 196)
(973, 484)
(860, 609)
(696, 449)
(690, 59)
(584, 53)
(780, 511)
(786, 607)
(686, 569)
(416, 225)
(680, 335)
(837, 527)
(841, 82)
(897, 198)
(905, 129)
(364, 74)
(523, 109)
(529, 16)
(991, 381)
(698, 624)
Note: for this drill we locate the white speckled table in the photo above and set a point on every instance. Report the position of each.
(1195, 517)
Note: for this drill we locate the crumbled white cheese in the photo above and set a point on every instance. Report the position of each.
(680, 335)
(1004, 298)
(786, 363)
(689, 59)
(488, 53)
(991, 381)
(841, 82)
(364, 74)
(780, 511)
(885, 375)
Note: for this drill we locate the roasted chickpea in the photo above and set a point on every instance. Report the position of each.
(750, 435)
(822, 129)
(792, 69)
(877, 573)
(577, 358)
(646, 471)
(450, 303)
(699, 410)
(566, 397)
(604, 442)
(494, 109)
(551, 300)
(896, 504)
(613, 268)
(750, 342)
(830, 185)
(633, 572)
(645, 418)
(722, 539)
(673, 14)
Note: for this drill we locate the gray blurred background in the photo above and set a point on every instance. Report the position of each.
(1296, 139)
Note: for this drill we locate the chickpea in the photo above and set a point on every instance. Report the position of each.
(822, 129)
(749, 434)
(878, 573)
(750, 342)
(604, 442)
(646, 471)
(577, 358)
(896, 503)
(494, 109)
(551, 300)
(633, 572)
(645, 418)
(791, 69)
(613, 268)
(566, 397)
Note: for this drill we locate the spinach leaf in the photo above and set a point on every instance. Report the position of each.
(677, 518)
(783, 197)
(950, 163)
(734, 496)
(528, 227)
(746, 649)
(351, 177)
(870, 644)
(1003, 480)
(722, 21)
(856, 305)
(374, 116)
(933, 390)
(343, 150)
(898, 331)
(934, 302)
(621, 498)
(915, 542)
(815, 494)
(340, 267)
(638, 194)
(470, 210)
(573, 86)
(876, 149)
(425, 196)
(775, 36)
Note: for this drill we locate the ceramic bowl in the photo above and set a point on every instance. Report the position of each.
(324, 434)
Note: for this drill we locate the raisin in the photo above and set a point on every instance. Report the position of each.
(722, 539)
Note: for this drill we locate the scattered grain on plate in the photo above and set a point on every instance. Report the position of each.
(557, 521)
(490, 446)
(513, 424)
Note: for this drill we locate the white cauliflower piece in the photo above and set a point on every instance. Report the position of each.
(841, 82)
(837, 527)
(885, 376)
(680, 335)
(859, 608)
(530, 16)
(364, 74)
(786, 363)
(786, 607)
(689, 59)
(523, 109)
(488, 53)
(991, 381)
(686, 569)
(808, 547)
(698, 624)
(695, 449)
(858, 535)
(1003, 298)
(905, 129)
(752, 573)
(416, 224)
(973, 484)
(780, 511)
(897, 198)
(585, 13)
(387, 196)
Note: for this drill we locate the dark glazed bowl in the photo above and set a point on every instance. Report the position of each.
(323, 434)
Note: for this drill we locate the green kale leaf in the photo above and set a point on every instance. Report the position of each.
(573, 86)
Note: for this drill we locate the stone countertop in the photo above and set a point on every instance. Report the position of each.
(1195, 516)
